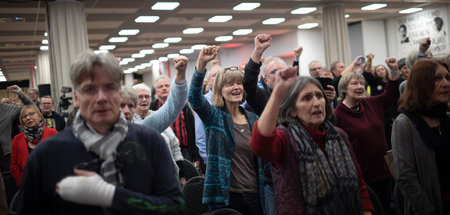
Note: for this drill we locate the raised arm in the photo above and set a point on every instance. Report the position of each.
(166, 115)
(297, 52)
(196, 98)
(368, 67)
(22, 96)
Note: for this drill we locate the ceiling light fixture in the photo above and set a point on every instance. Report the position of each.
(170, 56)
(107, 47)
(223, 38)
(242, 31)
(146, 19)
(192, 30)
(118, 39)
(129, 32)
(165, 5)
(2, 79)
(198, 46)
(138, 55)
(147, 51)
(273, 21)
(308, 25)
(347, 16)
(220, 18)
(172, 39)
(186, 51)
(45, 34)
(247, 6)
(44, 48)
(304, 10)
(163, 59)
(410, 10)
(44, 41)
(160, 45)
(375, 6)
(130, 59)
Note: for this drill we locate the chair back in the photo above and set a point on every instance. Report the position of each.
(190, 170)
(225, 211)
(193, 193)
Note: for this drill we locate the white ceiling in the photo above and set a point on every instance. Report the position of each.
(20, 40)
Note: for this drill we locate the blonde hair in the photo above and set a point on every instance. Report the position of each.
(224, 77)
(34, 108)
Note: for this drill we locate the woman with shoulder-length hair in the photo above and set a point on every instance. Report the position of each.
(233, 173)
(421, 140)
(314, 171)
(35, 132)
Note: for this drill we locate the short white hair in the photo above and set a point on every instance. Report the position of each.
(142, 87)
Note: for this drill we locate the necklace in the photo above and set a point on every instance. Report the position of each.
(355, 108)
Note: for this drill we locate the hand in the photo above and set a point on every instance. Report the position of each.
(13, 88)
(262, 42)
(370, 56)
(180, 65)
(86, 188)
(424, 44)
(355, 61)
(330, 93)
(392, 63)
(298, 51)
(284, 79)
(182, 181)
(206, 54)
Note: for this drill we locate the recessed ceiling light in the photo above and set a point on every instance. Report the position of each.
(247, 6)
(107, 47)
(123, 63)
(44, 48)
(147, 51)
(410, 10)
(3, 78)
(273, 21)
(118, 39)
(347, 16)
(220, 18)
(223, 38)
(160, 45)
(308, 25)
(186, 51)
(163, 59)
(172, 39)
(127, 71)
(304, 10)
(147, 64)
(373, 6)
(242, 31)
(198, 46)
(139, 67)
(44, 41)
(129, 32)
(138, 55)
(170, 56)
(132, 69)
(130, 59)
(146, 19)
(192, 30)
(165, 5)
(45, 34)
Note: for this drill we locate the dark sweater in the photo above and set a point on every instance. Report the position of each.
(365, 129)
(150, 185)
(55, 121)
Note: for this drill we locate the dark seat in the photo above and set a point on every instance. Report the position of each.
(13, 204)
(193, 193)
(225, 211)
(190, 170)
(376, 202)
(10, 187)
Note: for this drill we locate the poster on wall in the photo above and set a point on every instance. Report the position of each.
(429, 23)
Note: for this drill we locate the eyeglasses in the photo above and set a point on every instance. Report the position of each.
(315, 69)
(46, 103)
(30, 114)
(231, 68)
(144, 97)
(273, 71)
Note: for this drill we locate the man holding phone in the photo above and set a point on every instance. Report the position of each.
(315, 70)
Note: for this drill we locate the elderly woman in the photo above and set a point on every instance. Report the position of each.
(421, 140)
(128, 106)
(314, 172)
(35, 132)
(233, 173)
(363, 120)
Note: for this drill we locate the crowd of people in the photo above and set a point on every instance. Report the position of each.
(267, 140)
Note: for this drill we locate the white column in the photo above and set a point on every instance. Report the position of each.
(335, 34)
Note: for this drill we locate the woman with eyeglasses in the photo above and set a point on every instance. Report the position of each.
(233, 173)
(23, 144)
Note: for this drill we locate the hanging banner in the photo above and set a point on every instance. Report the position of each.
(428, 23)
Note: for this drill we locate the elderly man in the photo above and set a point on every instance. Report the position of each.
(184, 125)
(102, 164)
(314, 68)
(33, 93)
(52, 119)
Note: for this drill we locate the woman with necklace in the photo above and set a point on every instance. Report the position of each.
(421, 140)
(233, 173)
(362, 118)
(23, 144)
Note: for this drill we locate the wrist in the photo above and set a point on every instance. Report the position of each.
(18, 90)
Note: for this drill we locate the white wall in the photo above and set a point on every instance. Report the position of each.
(374, 40)
(313, 48)
(356, 41)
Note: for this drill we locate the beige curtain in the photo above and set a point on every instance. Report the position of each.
(335, 34)
(43, 75)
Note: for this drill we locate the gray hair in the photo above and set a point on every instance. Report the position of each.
(288, 105)
(162, 77)
(130, 93)
(142, 87)
(312, 62)
(34, 89)
(83, 67)
(345, 80)
(267, 61)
